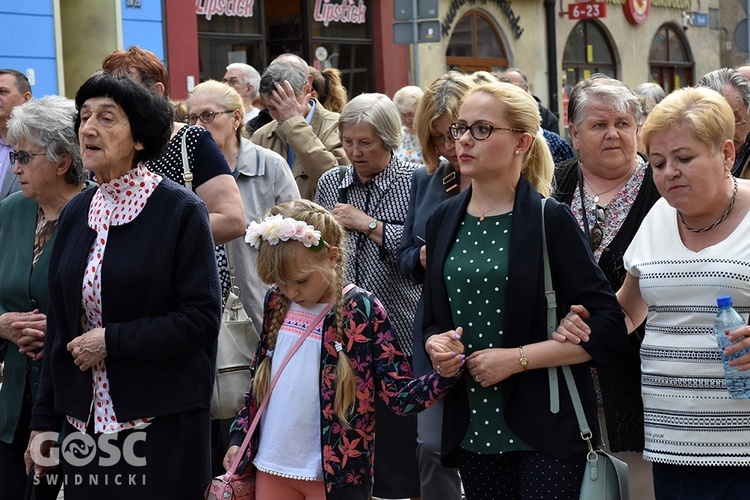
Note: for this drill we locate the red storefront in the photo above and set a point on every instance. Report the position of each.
(203, 36)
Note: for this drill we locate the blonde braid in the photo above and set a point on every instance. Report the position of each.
(346, 380)
(263, 375)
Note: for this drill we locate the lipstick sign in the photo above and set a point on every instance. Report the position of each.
(591, 10)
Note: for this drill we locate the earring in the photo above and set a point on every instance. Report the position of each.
(517, 151)
(728, 175)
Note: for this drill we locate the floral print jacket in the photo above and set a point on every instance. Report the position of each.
(381, 368)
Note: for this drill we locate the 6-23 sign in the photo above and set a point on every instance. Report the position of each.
(592, 10)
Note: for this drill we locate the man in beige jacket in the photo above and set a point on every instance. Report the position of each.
(302, 131)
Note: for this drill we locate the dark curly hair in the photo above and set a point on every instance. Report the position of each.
(150, 114)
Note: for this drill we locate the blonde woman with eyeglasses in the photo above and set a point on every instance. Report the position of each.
(484, 285)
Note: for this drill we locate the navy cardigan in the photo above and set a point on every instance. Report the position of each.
(577, 280)
(161, 308)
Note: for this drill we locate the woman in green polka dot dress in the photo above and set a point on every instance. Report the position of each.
(485, 285)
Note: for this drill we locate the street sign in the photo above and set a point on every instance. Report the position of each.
(592, 10)
(428, 31)
(700, 19)
(426, 9)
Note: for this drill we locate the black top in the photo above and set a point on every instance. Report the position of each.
(161, 308)
(577, 280)
(620, 379)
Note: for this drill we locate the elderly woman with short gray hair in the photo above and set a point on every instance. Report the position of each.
(370, 198)
(610, 189)
(47, 161)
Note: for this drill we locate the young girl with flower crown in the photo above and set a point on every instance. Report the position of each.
(315, 438)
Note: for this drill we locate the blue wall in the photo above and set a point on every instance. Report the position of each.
(143, 26)
(27, 41)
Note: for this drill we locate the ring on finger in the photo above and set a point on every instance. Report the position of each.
(476, 378)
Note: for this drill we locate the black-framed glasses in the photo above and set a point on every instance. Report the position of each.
(205, 117)
(597, 234)
(479, 130)
(22, 157)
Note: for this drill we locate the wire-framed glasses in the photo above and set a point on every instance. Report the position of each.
(597, 234)
(479, 130)
(740, 123)
(205, 117)
(22, 157)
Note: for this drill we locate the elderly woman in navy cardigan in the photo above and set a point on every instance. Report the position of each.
(133, 313)
(484, 285)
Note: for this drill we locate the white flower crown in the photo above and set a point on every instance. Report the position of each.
(275, 228)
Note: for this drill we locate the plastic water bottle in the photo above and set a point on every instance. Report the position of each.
(727, 320)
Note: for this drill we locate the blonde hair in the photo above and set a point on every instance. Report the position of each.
(224, 95)
(331, 91)
(522, 112)
(443, 97)
(702, 110)
(287, 261)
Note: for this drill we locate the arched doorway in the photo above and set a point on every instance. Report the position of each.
(465, 52)
(587, 51)
(670, 62)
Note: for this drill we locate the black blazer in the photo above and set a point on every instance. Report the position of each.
(577, 280)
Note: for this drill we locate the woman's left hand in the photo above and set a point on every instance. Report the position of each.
(490, 366)
(88, 349)
(742, 338)
(351, 217)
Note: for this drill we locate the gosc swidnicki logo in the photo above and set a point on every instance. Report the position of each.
(79, 449)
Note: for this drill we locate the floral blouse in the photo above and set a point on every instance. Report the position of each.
(410, 151)
(380, 367)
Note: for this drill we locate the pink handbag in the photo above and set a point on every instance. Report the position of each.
(232, 486)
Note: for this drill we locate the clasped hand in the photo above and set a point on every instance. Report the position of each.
(88, 349)
(446, 352)
(26, 330)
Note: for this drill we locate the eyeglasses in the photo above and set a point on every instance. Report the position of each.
(743, 121)
(205, 117)
(441, 139)
(597, 234)
(479, 130)
(22, 157)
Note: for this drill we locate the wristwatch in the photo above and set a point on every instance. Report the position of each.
(372, 226)
(523, 361)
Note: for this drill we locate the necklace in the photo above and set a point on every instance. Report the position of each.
(620, 184)
(485, 212)
(721, 219)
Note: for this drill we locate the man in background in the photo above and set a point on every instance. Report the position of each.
(14, 90)
(518, 78)
(245, 80)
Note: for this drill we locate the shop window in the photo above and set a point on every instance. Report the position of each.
(227, 39)
(465, 52)
(670, 61)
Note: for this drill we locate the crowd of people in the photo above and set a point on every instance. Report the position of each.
(390, 254)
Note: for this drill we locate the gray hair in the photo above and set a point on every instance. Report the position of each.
(717, 80)
(378, 111)
(407, 98)
(252, 77)
(524, 81)
(49, 122)
(651, 90)
(279, 71)
(603, 88)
